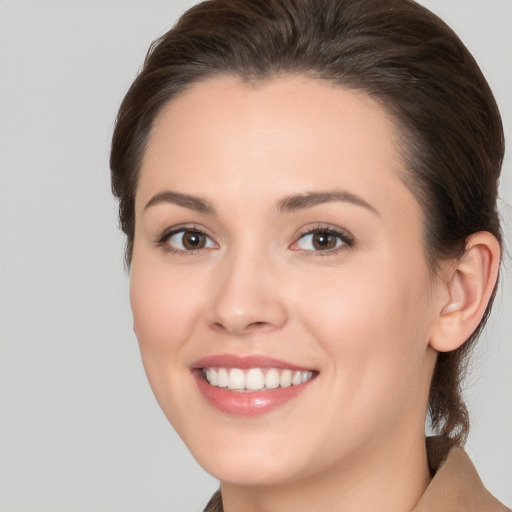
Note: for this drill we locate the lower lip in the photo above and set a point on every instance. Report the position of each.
(248, 404)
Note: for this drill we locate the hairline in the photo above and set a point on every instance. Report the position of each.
(402, 135)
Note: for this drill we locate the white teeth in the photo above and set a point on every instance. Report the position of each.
(297, 378)
(286, 379)
(272, 379)
(211, 376)
(236, 379)
(222, 378)
(255, 379)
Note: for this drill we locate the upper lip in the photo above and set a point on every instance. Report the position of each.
(244, 362)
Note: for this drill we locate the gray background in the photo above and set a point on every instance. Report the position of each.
(80, 429)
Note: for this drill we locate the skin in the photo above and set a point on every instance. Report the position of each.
(363, 316)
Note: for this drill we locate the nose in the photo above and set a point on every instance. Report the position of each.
(247, 297)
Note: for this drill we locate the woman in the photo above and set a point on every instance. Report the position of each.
(308, 190)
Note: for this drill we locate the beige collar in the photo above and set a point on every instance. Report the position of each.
(456, 486)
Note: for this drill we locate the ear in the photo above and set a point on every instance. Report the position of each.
(466, 286)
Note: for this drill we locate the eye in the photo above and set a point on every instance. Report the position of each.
(323, 240)
(187, 240)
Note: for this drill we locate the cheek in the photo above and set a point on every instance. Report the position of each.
(165, 308)
(348, 304)
(374, 326)
(163, 305)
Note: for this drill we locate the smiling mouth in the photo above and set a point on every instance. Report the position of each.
(255, 379)
(252, 385)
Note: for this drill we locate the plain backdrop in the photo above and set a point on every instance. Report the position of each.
(80, 429)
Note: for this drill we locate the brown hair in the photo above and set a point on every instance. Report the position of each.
(394, 50)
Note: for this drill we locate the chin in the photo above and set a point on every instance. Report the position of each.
(248, 459)
(250, 471)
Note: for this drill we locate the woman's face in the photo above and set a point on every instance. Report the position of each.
(278, 251)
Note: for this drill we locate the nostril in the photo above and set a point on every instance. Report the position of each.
(241, 329)
(259, 326)
(218, 326)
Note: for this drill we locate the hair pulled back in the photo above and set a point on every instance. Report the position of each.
(396, 51)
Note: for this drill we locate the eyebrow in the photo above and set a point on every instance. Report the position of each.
(187, 201)
(286, 205)
(310, 199)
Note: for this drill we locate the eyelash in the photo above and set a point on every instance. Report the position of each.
(163, 240)
(347, 240)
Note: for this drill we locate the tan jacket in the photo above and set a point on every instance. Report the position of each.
(455, 487)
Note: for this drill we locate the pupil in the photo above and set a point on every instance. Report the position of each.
(324, 241)
(193, 240)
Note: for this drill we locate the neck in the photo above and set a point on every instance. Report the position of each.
(388, 476)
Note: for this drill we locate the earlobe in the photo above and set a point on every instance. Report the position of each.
(468, 286)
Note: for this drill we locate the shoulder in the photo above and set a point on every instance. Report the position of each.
(455, 485)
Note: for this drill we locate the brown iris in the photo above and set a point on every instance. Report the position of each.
(193, 240)
(324, 241)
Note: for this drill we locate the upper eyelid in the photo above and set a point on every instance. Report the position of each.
(162, 241)
(347, 239)
(343, 233)
(173, 230)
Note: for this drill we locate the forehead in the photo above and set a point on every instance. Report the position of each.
(278, 136)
